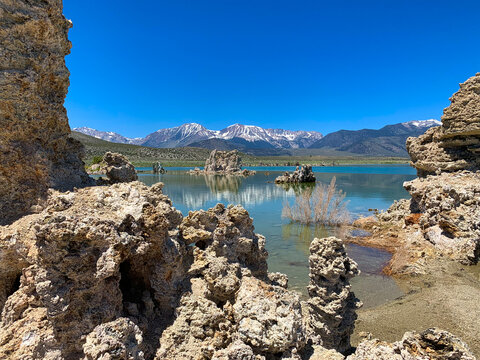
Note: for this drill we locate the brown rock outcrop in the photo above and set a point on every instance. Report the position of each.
(455, 145)
(118, 169)
(303, 174)
(36, 152)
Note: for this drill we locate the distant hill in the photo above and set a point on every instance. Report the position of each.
(387, 141)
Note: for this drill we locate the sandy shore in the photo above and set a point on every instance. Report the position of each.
(447, 297)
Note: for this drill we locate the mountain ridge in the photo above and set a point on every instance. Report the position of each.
(387, 141)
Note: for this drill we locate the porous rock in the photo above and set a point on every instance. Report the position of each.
(303, 174)
(449, 208)
(90, 257)
(36, 152)
(118, 169)
(432, 344)
(223, 163)
(455, 145)
(332, 304)
(227, 162)
(119, 339)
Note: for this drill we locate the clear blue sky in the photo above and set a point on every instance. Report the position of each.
(138, 66)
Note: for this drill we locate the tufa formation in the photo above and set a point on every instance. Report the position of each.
(304, 174)
(36, 150)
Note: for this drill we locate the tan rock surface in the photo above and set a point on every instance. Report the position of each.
(455, 145)
(36, 150)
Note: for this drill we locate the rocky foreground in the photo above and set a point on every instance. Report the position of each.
(116, 272)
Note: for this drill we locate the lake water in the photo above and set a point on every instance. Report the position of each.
(367, 187)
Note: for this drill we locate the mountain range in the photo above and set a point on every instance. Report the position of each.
(192, 133)
(387, 141)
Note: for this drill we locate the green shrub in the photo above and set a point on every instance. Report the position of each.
(97, 159)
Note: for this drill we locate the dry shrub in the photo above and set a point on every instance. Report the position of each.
(323, 205)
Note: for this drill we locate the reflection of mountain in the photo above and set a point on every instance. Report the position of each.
(253, 194)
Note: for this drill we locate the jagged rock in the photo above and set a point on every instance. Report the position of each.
(300, 175)
(397, 211)
(223, 163)
(433, 344)
(269, 317)
(449, 205)
(227, 162)
(119, 339)
(35, 148)
(118, 169)
(331, 305)
(237, 351)
(88, 258)
(455, 145)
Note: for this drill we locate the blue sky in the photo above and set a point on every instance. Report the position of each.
(299, 64)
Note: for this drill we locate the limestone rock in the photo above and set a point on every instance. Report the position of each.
(36, 152)
(237, 351)
(118, 169)
(269, 317)
(119, 339)
(303, 174)
(455, 145)
(226, 162)
(450, 212)
(88, 258)
(331, 305)
(429, 344)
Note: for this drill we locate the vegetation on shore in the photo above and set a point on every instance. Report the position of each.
(190, 157)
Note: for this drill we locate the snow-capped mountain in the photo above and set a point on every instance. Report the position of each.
(107, 136)
(389, 140)
(422, 123)
(279, 138)
(179, 136)
(192, 133)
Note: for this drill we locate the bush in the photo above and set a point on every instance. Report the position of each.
(323, 205)
(97, 159)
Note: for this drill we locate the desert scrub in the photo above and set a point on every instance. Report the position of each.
(324, 205)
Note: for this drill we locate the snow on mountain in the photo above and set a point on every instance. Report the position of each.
(178, 136)
(107, 135)
(279, 138)
(422, 123)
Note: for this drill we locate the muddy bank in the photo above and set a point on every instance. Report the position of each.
(446, 297)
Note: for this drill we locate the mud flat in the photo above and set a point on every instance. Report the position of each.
(447, 297)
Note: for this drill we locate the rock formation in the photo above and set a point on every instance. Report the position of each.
(303, 174)
(455, 145)
(331, 305)
(429, 344)
(227, 162)
(36, 150)
(442, 218)
(118, 169)
(116, 269)
(223, 163)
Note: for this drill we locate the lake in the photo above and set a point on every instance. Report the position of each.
(366, 187)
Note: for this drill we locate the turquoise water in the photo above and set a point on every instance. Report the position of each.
(366, 187)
